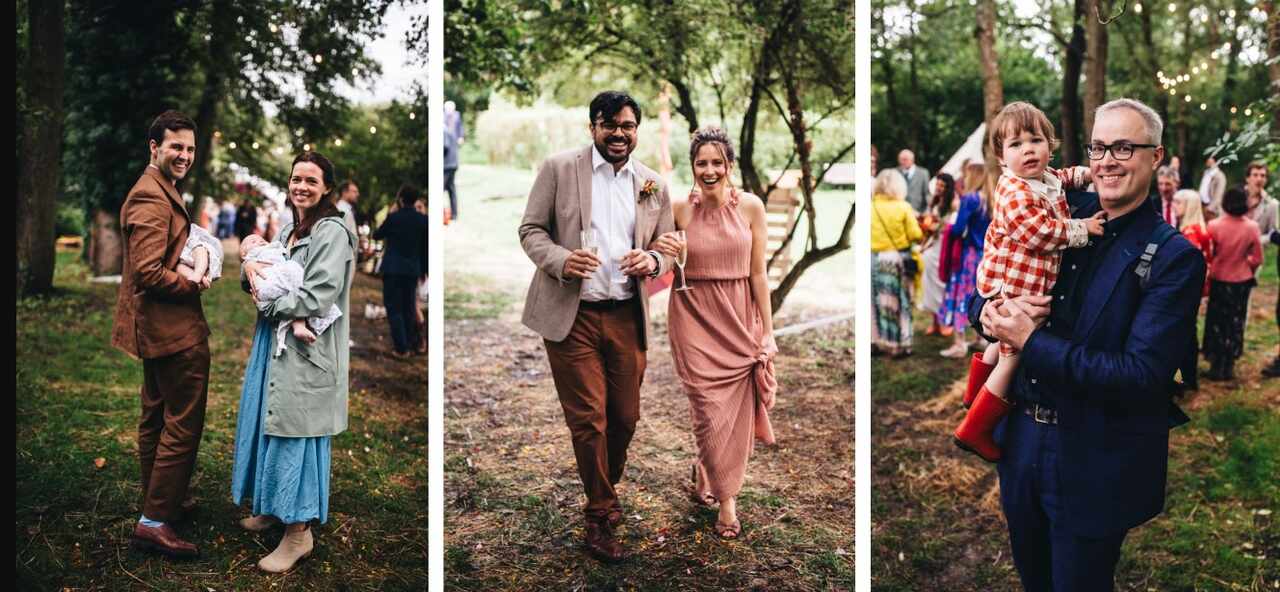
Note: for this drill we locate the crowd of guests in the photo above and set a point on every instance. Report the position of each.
(398, 249)
(927, 239)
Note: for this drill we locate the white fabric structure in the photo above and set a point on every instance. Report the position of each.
(971, 150)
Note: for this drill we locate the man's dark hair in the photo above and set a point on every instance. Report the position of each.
(344, 186)
(407, 195)
(1257, 164)
(1235, 201)
(169, 120)
(607, 104)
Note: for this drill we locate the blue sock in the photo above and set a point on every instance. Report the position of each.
(149, 522)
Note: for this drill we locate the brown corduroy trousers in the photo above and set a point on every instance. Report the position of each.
(175, 390)
(598, 370)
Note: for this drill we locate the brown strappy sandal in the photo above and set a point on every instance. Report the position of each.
(702, 499)
(729, 531)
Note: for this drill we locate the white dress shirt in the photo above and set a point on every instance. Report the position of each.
(613, 217)
(1206, 182)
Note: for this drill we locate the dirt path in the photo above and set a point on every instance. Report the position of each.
(513, 498)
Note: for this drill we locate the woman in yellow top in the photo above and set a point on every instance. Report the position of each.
(893, 231)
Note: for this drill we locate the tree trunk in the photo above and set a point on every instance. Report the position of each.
(1095, 62)
(39, 166)
(1273, 52)
(220, 55)
(992, 86)
(1072, 63)
(106, 244)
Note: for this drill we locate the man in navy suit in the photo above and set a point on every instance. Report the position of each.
(1087, 446)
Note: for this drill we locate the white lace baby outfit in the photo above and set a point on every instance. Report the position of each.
(281, 278)
(199, 237)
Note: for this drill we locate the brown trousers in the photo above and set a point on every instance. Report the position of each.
(175, 389)
(598, 369)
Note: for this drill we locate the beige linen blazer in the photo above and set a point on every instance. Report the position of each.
(559, 207)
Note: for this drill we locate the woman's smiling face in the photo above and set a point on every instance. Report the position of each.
(710, 168)
(306, 186)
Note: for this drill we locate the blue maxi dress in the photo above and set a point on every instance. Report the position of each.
(287, 477)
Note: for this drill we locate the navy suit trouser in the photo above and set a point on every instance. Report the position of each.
(399, 295)
(1047, 555)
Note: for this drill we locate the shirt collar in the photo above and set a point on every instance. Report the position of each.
(1047, 184)
(597, 160)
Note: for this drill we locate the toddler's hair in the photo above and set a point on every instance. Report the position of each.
(1015, 118)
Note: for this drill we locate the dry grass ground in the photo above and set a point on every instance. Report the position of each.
(513, 498)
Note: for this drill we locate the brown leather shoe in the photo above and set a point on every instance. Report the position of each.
(161, 539)
(601, 543)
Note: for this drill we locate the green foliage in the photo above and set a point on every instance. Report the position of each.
(926, 77)
(70, 221)
(381, 162)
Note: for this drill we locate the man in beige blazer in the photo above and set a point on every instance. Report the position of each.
(591, 309)
(1212, 185)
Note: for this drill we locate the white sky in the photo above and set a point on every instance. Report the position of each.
(398, 74)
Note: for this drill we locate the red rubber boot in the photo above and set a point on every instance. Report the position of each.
(978, 373)
(974, 433)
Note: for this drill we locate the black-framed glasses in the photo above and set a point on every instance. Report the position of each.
(1120, 150)
(611, 127)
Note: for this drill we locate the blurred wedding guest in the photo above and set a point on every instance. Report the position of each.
(1262, 208)
(1237, 254)
(348, 195)
(941, 211)
(893, 231)
(917, 178)
(403, 233)
(226, 219)
(246, 219)
(1166, 186)
(1212, 185)
(963, 251)
(1182, 170)
(1191, 223)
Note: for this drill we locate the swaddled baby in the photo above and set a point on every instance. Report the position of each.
(201, 256)
(280, 278)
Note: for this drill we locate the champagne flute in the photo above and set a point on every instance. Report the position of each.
(589, 242)
(681, 259)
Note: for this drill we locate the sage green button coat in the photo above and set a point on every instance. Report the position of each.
(306, 394)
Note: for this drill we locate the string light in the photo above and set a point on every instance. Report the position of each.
(233, 144)
(373, 129)
(1137, 8)
(1187, 99)
(337, 142)
(306, 147)
(319, 58)
(1233, 110)
(255, 145)
(1173, 7)
(412, 115)
(1248, 112)
(1203, 106)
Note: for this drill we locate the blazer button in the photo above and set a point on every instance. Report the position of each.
(1033, 381)
(269, 411)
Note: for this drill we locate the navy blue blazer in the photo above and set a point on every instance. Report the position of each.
(405, 234)
(1112, 380)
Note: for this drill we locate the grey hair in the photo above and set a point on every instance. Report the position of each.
(1155, 125)
(1168, 172)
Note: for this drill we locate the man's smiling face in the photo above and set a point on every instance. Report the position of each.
(1121, 183)
(175, 153)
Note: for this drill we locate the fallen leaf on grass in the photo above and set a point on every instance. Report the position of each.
(99, 462)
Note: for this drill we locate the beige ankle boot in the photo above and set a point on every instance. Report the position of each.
(258, 523)
(294, 546)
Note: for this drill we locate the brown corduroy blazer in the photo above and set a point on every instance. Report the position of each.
(158, 312)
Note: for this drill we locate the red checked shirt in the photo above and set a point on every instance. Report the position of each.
(1030, 227)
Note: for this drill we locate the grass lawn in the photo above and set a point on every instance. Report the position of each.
(936, 522)
(77, 402)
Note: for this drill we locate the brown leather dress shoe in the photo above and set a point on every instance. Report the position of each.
(161, 539)
(601, 543)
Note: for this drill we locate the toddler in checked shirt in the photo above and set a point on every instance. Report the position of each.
(1030, 226)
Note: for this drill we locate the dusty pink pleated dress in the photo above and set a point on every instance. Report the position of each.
(718, 345)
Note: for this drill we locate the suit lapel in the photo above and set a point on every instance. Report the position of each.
(170, 191)
(584, 186)
(1128, 248)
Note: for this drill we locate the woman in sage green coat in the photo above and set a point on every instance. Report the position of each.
(294, 397)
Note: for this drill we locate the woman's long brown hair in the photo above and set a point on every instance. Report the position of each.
(325, 208)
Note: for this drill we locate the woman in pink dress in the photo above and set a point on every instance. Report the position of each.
(721, 327)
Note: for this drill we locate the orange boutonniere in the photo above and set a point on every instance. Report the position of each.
(649, 189)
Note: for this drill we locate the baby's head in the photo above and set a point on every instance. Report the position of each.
(1022, 139)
